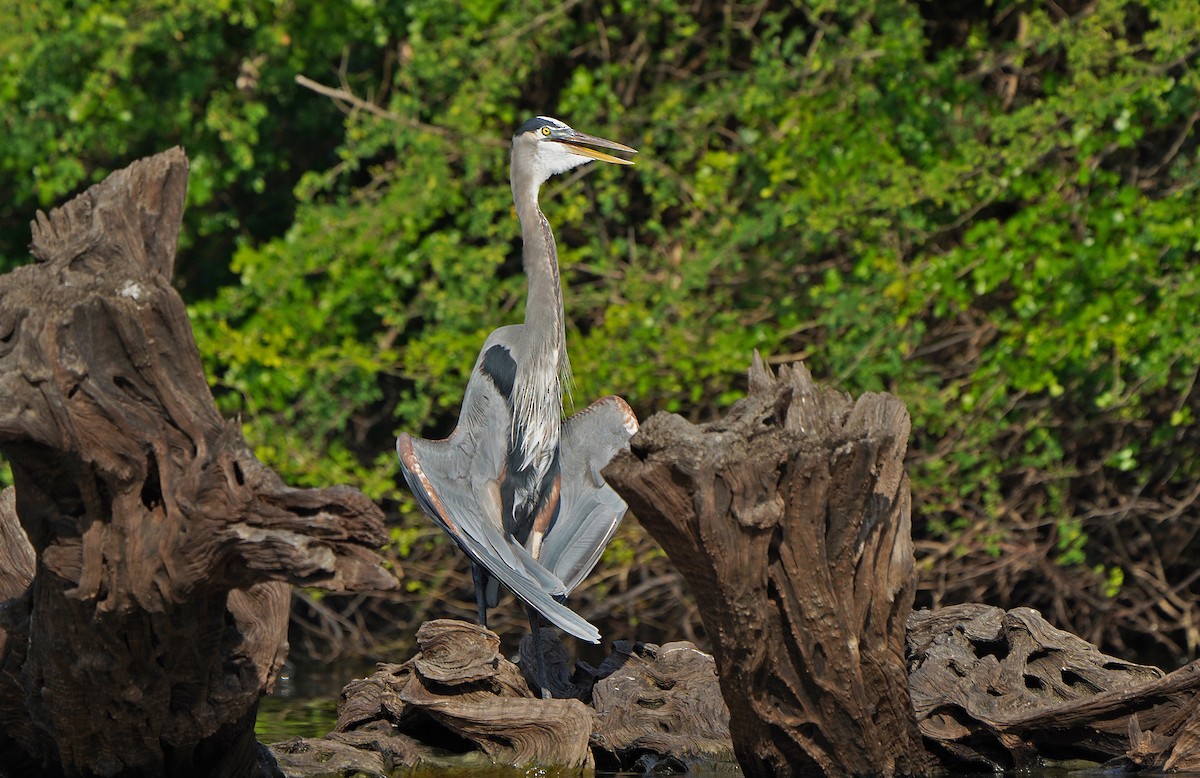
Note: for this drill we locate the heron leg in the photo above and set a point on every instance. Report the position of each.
(480, 576)
(535, 624)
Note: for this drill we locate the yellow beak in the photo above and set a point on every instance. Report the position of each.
(590, 146)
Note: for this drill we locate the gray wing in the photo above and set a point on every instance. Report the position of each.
(590, 510)
(456, 482)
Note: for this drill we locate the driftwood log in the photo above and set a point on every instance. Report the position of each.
(460, 703)
(996, 690)
(147, 612)
(992, 691)
(789, 519)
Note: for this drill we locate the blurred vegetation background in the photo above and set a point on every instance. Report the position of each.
(988, 209)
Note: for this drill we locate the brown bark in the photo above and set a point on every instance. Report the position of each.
(459, 703)
(157, 613)
(16, 554)
(658, 709)
(789, 519)
(17, 562)
(1180, 752)
(1006, 691)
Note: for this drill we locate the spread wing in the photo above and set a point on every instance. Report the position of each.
(590, 511)
(457, 482)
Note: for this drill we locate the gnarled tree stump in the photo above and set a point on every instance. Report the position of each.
(156, 615)
(459, 703)
(659, 709)
(1178, 751)
(789, 519)
(17, 559)
(1002, 691)
(461, 682)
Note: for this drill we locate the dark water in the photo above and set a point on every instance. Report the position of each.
(304, 701)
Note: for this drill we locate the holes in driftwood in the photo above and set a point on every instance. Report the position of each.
(238, 475)
(101, 497)
(127, 386)
(152, 487)
(1034, 683)
(1034, 656)
(651, 702)
(996, 648)
(776, 543)
(1076, 681)
(948, 715)
(8, 331)
(423, 728)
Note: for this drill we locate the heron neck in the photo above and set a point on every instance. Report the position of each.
(544, 304)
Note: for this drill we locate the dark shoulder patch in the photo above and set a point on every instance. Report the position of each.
(499, 366)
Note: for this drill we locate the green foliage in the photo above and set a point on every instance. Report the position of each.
(988, 209)
(999, 227)
(86, 88)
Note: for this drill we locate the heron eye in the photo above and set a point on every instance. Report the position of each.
(546, 131)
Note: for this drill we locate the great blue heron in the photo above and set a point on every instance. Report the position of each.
(518, 489)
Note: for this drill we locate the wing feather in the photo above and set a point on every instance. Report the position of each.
(591, 510)
(455, 482)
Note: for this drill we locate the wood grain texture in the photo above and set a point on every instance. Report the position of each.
(17, 565)
(789, 519)
(659, 707)
(1178, 751)
(17, 558)
(1005, 690)
(156, 616)
(459, 703)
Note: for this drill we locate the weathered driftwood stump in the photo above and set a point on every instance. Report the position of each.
(1176, 747)
(659, 709)
(996, 690)
(459, 702)
(155, 616)
(789, 519)
(17, 559)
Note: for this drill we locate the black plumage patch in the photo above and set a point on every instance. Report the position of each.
(538, 122)
(522, 497)
(501, 368)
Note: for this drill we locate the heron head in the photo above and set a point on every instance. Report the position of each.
(544, 146)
